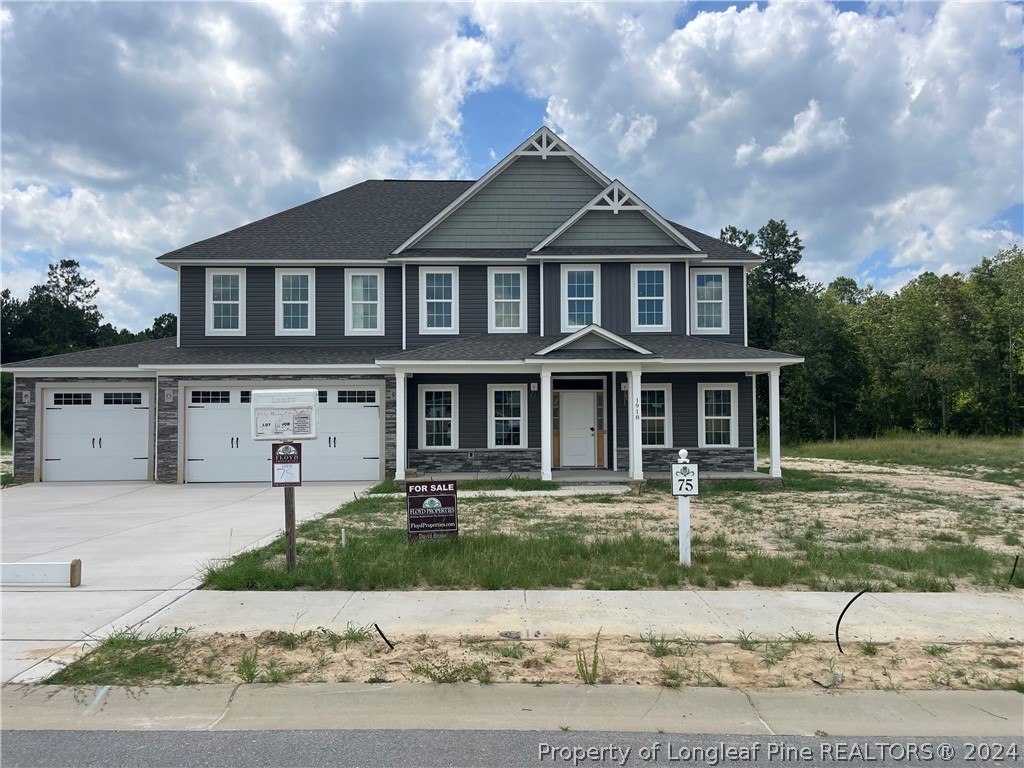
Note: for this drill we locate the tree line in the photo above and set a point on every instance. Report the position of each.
(944, 354)
(60, 316)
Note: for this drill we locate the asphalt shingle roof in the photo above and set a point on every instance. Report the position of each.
(365, 221)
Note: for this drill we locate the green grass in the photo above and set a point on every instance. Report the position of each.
(130, 658)
(513, 483)
(1002, 457)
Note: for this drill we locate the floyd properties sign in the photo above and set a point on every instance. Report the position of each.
(432, 510)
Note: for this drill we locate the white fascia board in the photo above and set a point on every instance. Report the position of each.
(481, 367)
(279, 263)
(90, 372)
(725, 366)
(257, 370)
(597, 365)
(646, 258)
(747, 265)
(484, 180)
(441, 261)
(597, 331)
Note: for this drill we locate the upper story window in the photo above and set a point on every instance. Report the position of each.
(506, 289)
(364, 302)
(295, 302)
(717, 419)
(581, 297)
(225, 302)
(709, 291)
(651, 297)
(439, 300)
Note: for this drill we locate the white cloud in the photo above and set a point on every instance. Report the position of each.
(892, 131)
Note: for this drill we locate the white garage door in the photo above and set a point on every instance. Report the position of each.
(98, 434)
(219, 445)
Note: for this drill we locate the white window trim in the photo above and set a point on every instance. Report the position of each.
(524, 421)
(454, 272)
(667, 389)
(566, 268)
(349, 329)
(734, 418)
(492, 326)
(422, 392)
(210, 330)
(666, 300)
(694, 329)
(279, 328)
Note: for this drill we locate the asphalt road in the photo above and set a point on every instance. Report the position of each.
(433, 749)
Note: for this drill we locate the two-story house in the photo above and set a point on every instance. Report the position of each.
(543, 317)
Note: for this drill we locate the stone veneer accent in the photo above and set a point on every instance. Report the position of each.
(24, 469)
(475, 460)
(168, 408)
(710, 459)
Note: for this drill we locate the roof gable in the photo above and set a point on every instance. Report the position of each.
(592, 337)
(573, 171)
(614, 200)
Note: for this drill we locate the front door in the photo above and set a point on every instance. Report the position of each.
(578, 429)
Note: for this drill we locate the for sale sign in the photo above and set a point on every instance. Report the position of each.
(432, 510)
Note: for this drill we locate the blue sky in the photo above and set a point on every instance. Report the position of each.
(889, 135)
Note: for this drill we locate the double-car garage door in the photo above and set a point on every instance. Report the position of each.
(106, 433)
(219, 445)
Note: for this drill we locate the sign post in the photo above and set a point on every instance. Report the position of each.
(685, 483)
(285, 416)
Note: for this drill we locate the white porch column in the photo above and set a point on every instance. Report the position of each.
(774, 434)
(636, 461)
(545, 425)
(400, 422)
(753, 404)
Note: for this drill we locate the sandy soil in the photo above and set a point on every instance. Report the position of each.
(766, 663)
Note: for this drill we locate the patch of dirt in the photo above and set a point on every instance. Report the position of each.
(647, 661)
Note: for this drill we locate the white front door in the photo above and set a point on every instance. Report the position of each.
(578, 429)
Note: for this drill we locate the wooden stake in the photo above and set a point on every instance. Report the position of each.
(289, 526)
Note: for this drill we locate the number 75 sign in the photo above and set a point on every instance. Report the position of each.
(685, 480)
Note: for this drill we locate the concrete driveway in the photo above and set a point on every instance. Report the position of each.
(142, 547)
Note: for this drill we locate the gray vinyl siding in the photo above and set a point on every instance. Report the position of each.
(615, 297)
(472, 407)
(597, 228)
(260, 311)
(519, 207)
(679, 293)
(685, 407)
(473, 309)
(552, 300)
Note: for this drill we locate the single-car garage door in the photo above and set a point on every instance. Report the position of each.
(97, 434)
(219, 445)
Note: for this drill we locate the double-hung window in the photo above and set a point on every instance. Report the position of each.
(439, 417)
(506, 299)
(439, 300)
(364, 302)
(581, 296)
(295, 302)
(225, 302)
(651, 293)
(506, 417)
(709, 291)
(717, 419)
(656, 415)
